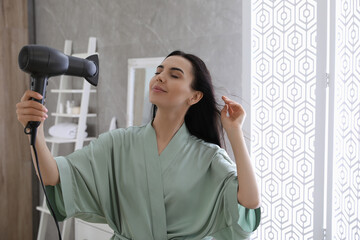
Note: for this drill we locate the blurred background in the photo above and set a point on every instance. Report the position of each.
(293, 65)
(123, 30)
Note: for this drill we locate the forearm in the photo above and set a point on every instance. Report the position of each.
(248, 193)
(47, 163)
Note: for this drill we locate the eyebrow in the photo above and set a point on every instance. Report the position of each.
(173, 68)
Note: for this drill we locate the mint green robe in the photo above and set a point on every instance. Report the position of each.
(188, 192)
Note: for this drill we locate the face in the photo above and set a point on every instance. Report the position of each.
(171, 85)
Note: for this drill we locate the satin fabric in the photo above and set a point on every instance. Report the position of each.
(189, 191)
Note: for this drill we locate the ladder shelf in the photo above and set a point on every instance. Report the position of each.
(70, 115)
(71, 91)
(64, 92)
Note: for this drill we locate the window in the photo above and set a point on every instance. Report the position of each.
(305, 133)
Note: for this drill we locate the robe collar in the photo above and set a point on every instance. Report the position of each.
(174, 146)
(155, 167)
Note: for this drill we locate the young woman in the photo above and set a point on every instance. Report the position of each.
(168, 179)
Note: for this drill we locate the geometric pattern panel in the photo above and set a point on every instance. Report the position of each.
(283, 79)
(346, 153)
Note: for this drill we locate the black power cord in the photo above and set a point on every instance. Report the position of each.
(33, 136)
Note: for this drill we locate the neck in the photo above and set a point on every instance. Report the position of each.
(166, 124)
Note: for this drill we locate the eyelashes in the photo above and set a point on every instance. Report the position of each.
(173, 76)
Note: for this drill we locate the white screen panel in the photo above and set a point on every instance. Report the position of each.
(346, 155)
(283, 79)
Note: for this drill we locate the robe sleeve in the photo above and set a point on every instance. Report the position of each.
(83, 180)
(233, 220)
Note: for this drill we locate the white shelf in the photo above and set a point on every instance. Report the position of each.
(51, 139)
(71, 91)
(92, 231)
(65, 92)
(83, 55)
(100, 226)
(43, 209)
(72, 115)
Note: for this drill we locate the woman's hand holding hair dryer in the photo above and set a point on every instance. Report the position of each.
(29, 110)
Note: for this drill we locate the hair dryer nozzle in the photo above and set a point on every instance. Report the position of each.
(93, 80)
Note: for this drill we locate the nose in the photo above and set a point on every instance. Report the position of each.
(159, 78)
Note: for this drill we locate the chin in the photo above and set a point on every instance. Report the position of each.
(156, 100)
(151, 100)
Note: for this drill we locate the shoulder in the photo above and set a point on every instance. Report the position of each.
(209, 149)
(215, 159)
(132, 130)
(123, 132)
(120, 135)
(219, 156)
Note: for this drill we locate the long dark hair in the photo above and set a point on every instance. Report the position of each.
(203, 118)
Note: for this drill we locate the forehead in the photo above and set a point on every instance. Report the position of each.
(178, 62)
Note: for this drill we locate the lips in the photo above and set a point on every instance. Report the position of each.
(158, 89)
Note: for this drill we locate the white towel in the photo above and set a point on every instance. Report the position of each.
(112, 124)
(64, 130)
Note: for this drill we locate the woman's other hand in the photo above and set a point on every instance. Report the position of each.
(232, 115)
(232, 118)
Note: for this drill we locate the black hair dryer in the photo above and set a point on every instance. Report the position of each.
(43, 62)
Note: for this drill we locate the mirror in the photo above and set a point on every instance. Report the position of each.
(140, 72)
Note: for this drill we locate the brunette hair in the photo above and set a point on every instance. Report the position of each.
(203, 118)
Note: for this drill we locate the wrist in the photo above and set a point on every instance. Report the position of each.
(40, 131)
(234, 132)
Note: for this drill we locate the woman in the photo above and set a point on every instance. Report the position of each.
(168, 179)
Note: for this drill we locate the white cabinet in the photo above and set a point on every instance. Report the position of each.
(92, 231)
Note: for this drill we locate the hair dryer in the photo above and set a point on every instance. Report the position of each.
(43, 62)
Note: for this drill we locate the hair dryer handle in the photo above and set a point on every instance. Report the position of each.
(38, 84)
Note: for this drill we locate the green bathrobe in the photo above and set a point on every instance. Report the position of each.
(188, 192)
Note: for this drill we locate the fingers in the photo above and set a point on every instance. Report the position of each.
(27, 118)
(226, 99)
(229, 101)
(225, 109)
(234, 109)
(232, 104)
(29, 94)
(31, 104)
(27, 113)
(29, 110)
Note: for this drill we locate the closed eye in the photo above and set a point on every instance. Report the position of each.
(173, 76)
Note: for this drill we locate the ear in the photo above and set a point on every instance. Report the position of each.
(196, 97)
